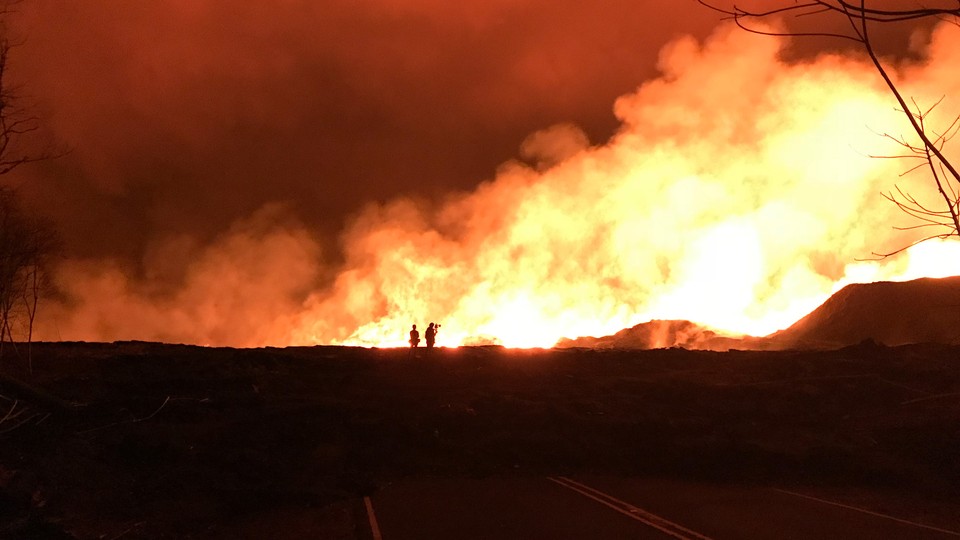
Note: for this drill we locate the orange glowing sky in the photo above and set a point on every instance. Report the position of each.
(302, 172)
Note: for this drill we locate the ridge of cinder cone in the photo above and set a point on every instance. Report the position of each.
(657, 334)
(925, 310)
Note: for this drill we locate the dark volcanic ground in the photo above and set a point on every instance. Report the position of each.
(165, 441)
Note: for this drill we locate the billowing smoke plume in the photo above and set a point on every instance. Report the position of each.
(738, 193)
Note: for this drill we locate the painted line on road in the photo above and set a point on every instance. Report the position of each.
(664, 525)
(374, 527)
(870, 512)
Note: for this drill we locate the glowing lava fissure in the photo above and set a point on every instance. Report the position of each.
(738, 194)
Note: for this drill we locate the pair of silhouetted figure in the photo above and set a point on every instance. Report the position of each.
(430, 335)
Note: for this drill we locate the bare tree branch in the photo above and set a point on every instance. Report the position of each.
(943, 174)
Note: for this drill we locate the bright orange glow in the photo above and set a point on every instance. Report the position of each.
(738, 194)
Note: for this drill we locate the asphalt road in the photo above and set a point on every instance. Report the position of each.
(616, 508)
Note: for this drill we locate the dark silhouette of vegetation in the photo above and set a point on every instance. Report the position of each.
(27, 248)
(15, 119)
(27, 244)
(859, 18)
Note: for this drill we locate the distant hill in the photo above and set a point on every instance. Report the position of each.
(924, 310)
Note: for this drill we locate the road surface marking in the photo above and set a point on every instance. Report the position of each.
(865, 511)
(629, 510)
(374, 528)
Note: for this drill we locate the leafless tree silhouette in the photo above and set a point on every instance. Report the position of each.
(27, 244)
(928, 148)
(15, 119)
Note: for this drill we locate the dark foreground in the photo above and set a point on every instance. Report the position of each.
(168, 441)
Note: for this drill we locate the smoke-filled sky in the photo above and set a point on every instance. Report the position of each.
(186, 116)
(295, 172)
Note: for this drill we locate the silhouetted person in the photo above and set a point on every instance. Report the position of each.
(431, 335)
(414, 338)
